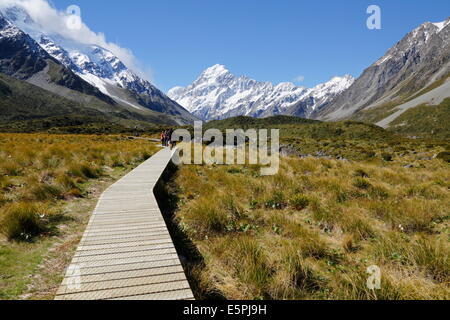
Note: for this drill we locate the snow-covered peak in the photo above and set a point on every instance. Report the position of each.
(218, 94)
(94, 64)
(213, 75)
(10, 31)
(336, 84)
(286, 86)
(21, 19)
(215, 72)
(423, 33)
(176, 91)
(328, 90)
(413, 41)
(7, 29)
(88, 61)
(57, 52)
(4, 23)
(107, 59)
(442, 25)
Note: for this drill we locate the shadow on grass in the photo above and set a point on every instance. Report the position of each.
(55, 221)
(166, 193)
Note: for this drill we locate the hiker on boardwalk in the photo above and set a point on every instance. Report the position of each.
(172, 143)
(167, 138)
(163, 138)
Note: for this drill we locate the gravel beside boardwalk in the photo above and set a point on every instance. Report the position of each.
(126, 251)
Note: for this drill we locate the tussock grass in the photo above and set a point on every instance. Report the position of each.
(23, 221)
(48, 186)
(9, 168)
(312, 230)
(41, 169)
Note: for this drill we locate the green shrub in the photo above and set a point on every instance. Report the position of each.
(69, 188)
(117, 162)
(5, 183)
(145, 155)
(3, 199)
(341, 195)
(206, 219)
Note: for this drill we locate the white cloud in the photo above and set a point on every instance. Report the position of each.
(54, 22)
(299, 79)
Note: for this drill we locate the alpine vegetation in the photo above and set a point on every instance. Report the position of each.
(233, 151)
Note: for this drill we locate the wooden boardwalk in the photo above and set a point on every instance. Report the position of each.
(126, 252)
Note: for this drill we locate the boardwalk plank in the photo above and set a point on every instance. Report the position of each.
(126, 251)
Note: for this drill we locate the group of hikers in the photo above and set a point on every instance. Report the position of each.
(166, 139)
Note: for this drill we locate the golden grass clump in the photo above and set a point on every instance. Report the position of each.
(23, 221)
(39, 170)
(312, 230)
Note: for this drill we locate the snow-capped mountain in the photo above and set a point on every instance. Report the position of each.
(319, 97)
(17, 46)
(421, 58)
(38, 86)
(99, 67)
(23, 58)
(218, 94)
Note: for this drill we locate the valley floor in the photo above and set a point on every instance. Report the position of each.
(347, 197)
(313, 230)
(49, 185)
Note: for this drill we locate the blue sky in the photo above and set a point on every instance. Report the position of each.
(276, 40)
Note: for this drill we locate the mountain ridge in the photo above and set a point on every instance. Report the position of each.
(410, 68)
(218, 94)
(25, 107)
(415, 62)
(59, 96)
(100, 68)
(22, 58)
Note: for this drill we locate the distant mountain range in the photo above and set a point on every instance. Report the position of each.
(218, 94)
(89, 82)
(86, 74)
(412, 73)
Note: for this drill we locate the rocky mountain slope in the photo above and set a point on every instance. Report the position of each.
(100, 68)
(25, 107)
(415, 71)
(218, 94)
(22, 58)
(37, 86)
(415, 65)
